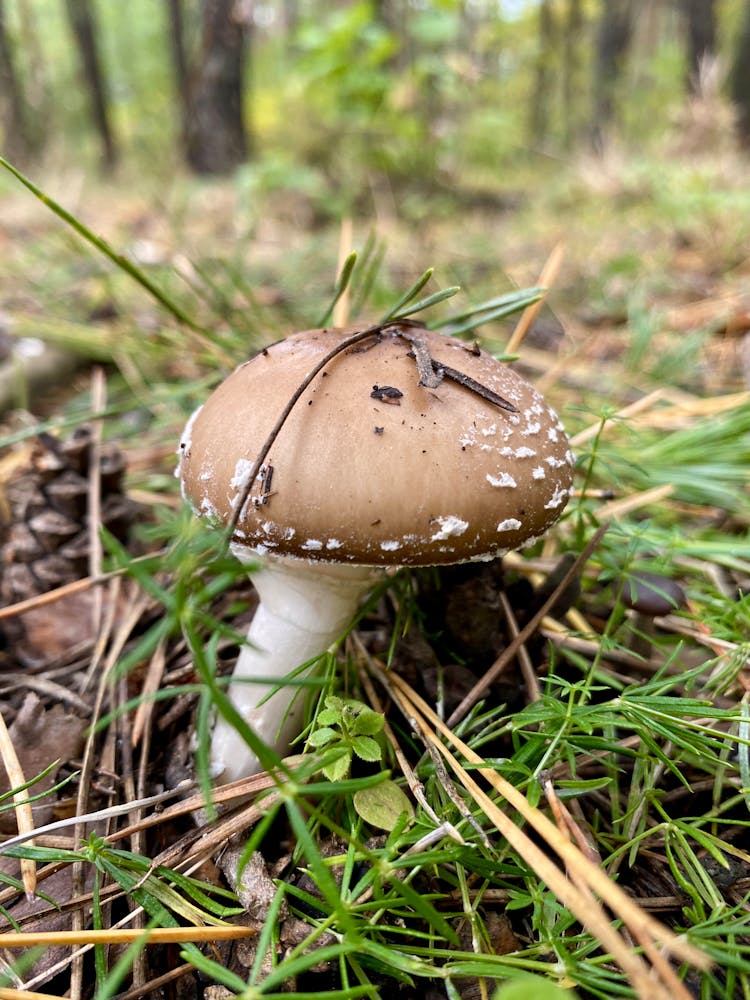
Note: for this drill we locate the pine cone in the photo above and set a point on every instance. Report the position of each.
(47, 541)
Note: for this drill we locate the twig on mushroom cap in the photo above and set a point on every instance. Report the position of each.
(474, 386)
(355, 338)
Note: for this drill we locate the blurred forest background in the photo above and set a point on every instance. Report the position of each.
(332, 99)
(472, 135)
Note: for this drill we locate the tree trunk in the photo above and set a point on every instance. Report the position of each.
(701, 37)
(17, 141)
(83, 26)
(739, 81)
(612, 44)
(539, 110)
(216, 139)
(36, 76)
(571, 71)
(176, 30)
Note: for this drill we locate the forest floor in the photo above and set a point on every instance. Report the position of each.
(631, 736)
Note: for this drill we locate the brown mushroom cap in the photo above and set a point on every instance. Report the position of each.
(370, 467)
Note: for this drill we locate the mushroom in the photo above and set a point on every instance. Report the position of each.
(403, 447)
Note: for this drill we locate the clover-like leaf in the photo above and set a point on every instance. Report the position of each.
(533, 986)
(321, 736)
(368, 723)
(366, 748)
(381, 805)
(339, 768)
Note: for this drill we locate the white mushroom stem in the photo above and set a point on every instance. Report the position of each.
(304, 608)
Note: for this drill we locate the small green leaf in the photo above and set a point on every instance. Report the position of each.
(368, 723)
(366, 748)
(339, 768)
(382, 805)
(329, 717)
(322, 736)
(533, 986)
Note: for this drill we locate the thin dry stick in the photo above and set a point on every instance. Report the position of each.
(527, 669)
(639, 406)
(546, 279)
(152, 987)
(75, 587)
(526, 632)
(610, 892)
(24, 815)
(125, 936)
(6, 994)
(634, 501)
(99, 402)
(564, 819)
(130, 620)
(105, 631)
(152, 681)
(341, 309)
(126, 771)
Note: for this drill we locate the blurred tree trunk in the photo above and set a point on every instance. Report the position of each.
(612, 44)
(36, 82)
(540, 98)
(176, 28)
(571, 69)
(739, 80)
(17, 140)
(215, 138)
(393, 15)
(290, 21)
(83, 27)
(701, 36)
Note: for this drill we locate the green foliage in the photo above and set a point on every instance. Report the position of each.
(526, 987)
(350, 726)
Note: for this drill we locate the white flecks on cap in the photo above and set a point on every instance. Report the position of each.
(509, 524)
(503, 480)
(207, 509)
(552, 433)
(312, 545)
(558, 497)
(533, 427)
(333, 543)
(242, 471)
(450, 526)
(538, 473)
(186, 440)
(390, 546)
(524, 452)
(553, 462)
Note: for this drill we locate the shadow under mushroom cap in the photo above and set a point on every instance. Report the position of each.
(371, 467)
